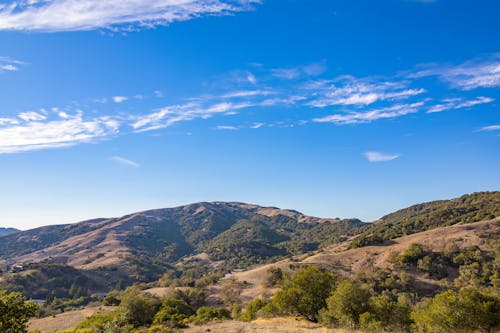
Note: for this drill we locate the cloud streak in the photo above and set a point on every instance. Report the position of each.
(75, 15)
(459, 103)
(33, 134)
(375, 156)
(9, 65)
(394, 111)
(125, 161)
(470, 75)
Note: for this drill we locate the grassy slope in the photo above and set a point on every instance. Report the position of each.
(465, 209)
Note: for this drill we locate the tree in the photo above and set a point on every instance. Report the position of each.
(139, 308)
(450, 311)
(348, 302)
(173, 312)
(15, 312)
(305, 295)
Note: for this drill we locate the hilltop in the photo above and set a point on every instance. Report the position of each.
(140, 247)
(7, 231)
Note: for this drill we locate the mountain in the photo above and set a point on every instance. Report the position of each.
(142, 246)
(6, 231)
(465, 209)
(197, 244)
(460, 253)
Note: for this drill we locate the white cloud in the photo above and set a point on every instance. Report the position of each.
(125, 161)
(467, 76)
(257, 125)
(490, 128)
(313, 69)
(247, 93)
(159, 94)
(458, 103)
(349, 90)
(31, 116)
(74, 15)
(119, 99)
(9, 65)
(227, 128)
(184, 112)
(375, 156)
(394, 111)
(251, 78)
(18, 137)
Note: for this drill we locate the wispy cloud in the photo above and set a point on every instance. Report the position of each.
(177, 113)
(289, 73)
(72, 15)
(394, 111)
(320, 98)
(349, 90)
(226, 128)
(9, 65)
(375, 156)
(459, 103)
(490, 128)
(125, 161)
(467, 76)
(34, 133)
(119, 99)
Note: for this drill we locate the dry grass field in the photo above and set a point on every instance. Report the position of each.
(272, 325)
(65, 320)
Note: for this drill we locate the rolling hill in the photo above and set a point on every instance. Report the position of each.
(7, 231)
(140, 247)
(193, 242)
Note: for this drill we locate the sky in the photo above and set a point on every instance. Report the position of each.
(335, 108)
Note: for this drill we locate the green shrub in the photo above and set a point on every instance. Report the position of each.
(206, 314)
(174, 313)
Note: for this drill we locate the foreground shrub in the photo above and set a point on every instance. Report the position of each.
(451, 311)
(347, 303)
(252, 309)
(15, 312)
(174, 313)
(304, 295)
(206, 314)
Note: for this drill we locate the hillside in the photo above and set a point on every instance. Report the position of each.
(465, 209)
(199, 243)
(378, 259)
(140, 247)
(6, 231)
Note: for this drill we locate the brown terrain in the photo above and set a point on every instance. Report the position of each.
(347, 262)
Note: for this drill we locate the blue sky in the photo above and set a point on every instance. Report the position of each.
(334, 108)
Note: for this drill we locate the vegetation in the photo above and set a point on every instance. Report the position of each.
(15, 312)
(466, 209)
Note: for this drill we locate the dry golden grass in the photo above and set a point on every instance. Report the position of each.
(353, 261)
(65, 320)
(272, 325)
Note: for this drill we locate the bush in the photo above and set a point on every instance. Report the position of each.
(450, 311)
(347, 303)
(139, 309)
(305, 295)
(174, 313)
(206, 314)
(252, 309)
(15, 312)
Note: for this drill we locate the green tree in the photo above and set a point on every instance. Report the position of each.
(450, 311)
(305, 294)
(348, 302)
(174, 313)
(139, 308)
(15, 312)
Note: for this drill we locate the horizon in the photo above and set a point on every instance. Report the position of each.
(332, 109)
(121, 215)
